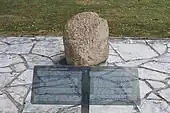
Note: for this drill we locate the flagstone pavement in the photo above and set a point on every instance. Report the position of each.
(18, 56)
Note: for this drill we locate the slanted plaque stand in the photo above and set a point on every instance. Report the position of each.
(69, 85)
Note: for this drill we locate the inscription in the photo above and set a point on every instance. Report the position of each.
(63, 85)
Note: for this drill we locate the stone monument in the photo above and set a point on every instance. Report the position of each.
(86, 44)
(86, 39)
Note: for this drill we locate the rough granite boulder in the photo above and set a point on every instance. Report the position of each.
(86, 39)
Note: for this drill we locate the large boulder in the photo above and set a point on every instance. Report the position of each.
(86, 39)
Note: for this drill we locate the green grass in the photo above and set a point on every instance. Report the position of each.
(149, 18)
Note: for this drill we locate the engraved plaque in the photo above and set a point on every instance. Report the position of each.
(114, 85)
(57, 85)
(69, 85)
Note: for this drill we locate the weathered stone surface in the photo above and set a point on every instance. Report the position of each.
(144, 89)
(158, 66)
(5, 78)
(86, 39)
(149, 106)
(16, 40)
(6, 60)
(33, 60)
(6, 106)
(164, 58)
(24, 78)
(18, 67)
(161, 48)
(5, 70)
(2, 48)
(111, 108)
(48, 48)
(132, 51)
(131, 63)
(19, 48)
(165, 93)
(149, 74)
(18, 93)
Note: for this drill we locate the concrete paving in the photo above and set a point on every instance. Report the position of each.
(18, 56)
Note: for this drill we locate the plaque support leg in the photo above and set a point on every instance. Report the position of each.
(85, 92)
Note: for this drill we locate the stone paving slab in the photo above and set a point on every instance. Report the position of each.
(18, 56)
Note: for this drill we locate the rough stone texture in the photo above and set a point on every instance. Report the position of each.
(86, 39)
(16, 72)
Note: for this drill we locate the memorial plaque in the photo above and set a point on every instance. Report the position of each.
(57, 85)
(68, 85)
(114, 85)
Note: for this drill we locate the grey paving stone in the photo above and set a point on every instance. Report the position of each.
(51, 38)
(138, 41)
(134, 51)
(157, 84)
(168, 82)
(113, 58)
(168, 44)
(126, 41)
(59, 39)
(144, 89)
(24, 78)
(104, 64)
(33, 60)
(5, 70)
(132, 63)
(40, 37)
(148, 74)
(158, 66)
(6, 60)
(48, 48)
(165, 93)
(6, 106)
(5, 78)
(2, 48)
(150, 106)
(112, 52)
(18, 93)
(17, 40)
(152, 96)
(164, 58)
(19, 48)
(18, 67)
(57, 58)
(111, 109)
(162, 41)
(1, 43)
(160, 48)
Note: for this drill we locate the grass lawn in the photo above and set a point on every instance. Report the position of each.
(46, 17)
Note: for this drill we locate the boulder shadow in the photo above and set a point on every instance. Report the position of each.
(64, 62)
